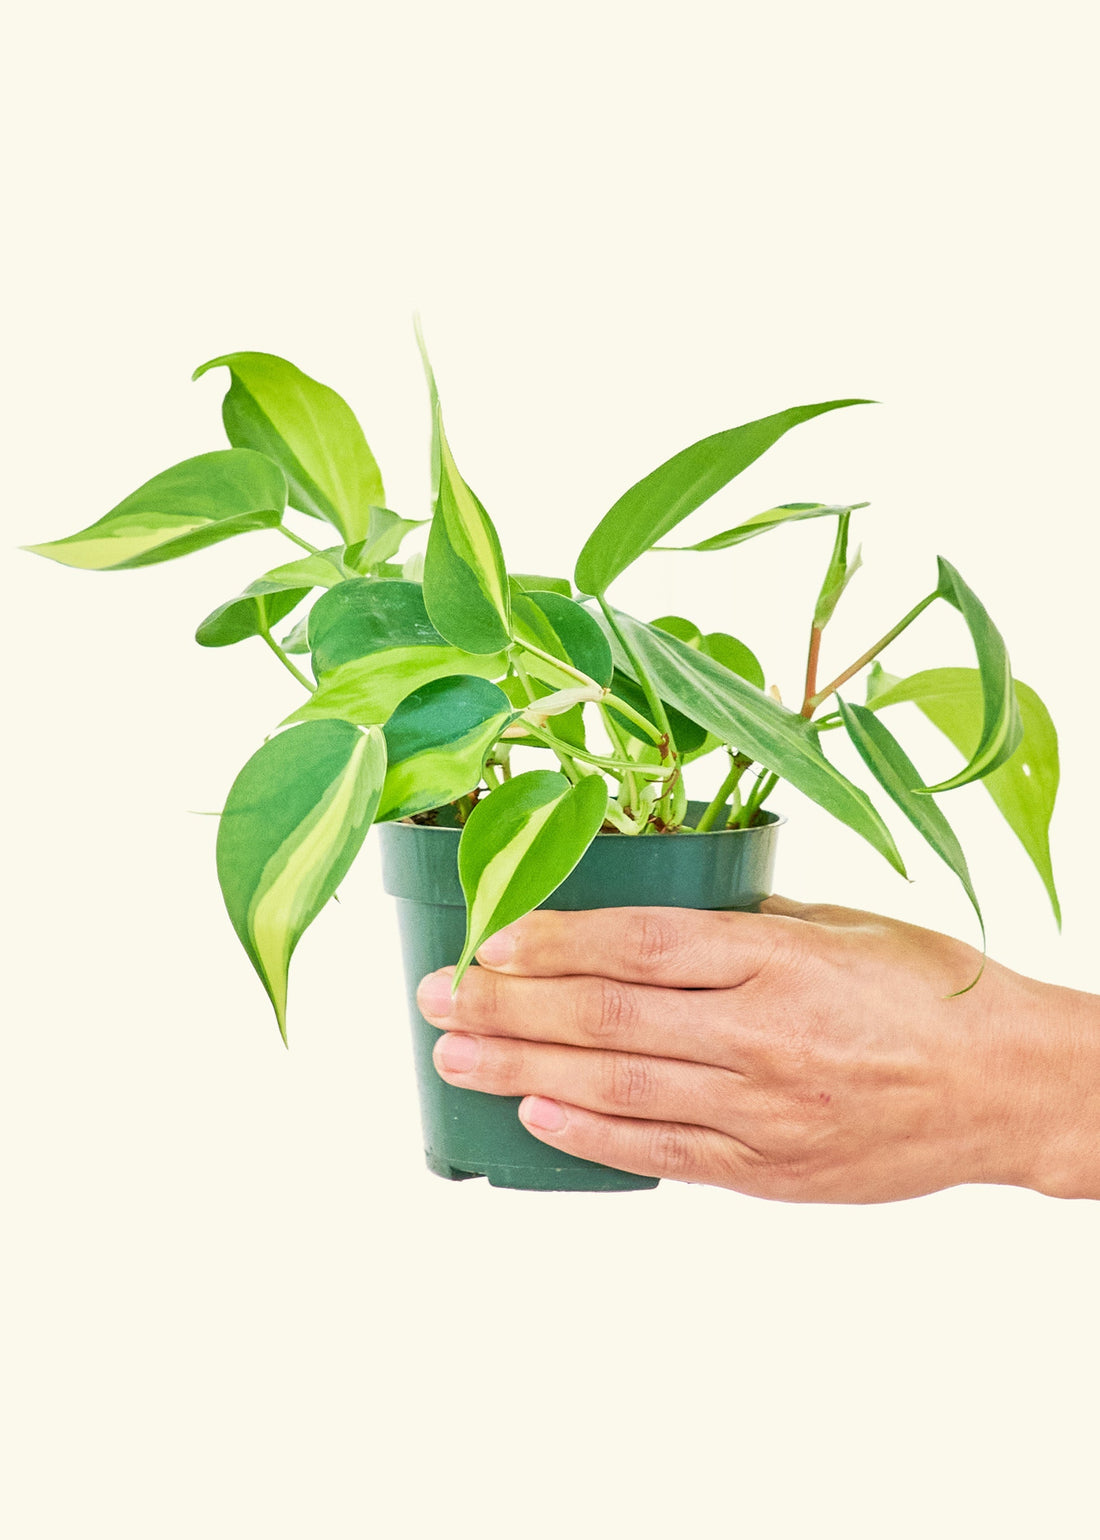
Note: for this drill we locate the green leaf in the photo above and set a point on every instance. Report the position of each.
(436, 743)
(384, 538)
(1002, 728)
(530, 582)
(519, 844)
(465, 584)
(1025, 787)
(840, 573)
(308, 430)
(749, 720)
(373, 644)
(293, 823)
(689, 737)
(297, 638)
(676, 625)
(657, 503)
(898, 776)
(184, 509)
(562, 627)
(734, 655)
(761, 523)
(267, 600)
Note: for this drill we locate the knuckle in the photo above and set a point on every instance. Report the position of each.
(673, 1149)
(658, 940)
(628, 1083)
(479, 997)
(612, 1010)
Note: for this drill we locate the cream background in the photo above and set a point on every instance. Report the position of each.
(233, 1301)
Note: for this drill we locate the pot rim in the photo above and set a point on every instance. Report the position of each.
(772, 821)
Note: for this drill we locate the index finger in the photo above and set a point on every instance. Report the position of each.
(677, 948)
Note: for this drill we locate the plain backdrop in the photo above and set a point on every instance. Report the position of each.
(234, 1302)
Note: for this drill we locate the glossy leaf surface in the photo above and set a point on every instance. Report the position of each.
(562, 627)
(293, 823)
(761, 523)
(897, 775)
(749, 720)
(436, 743)
(1025, 787)
(519, 844)
(531, 582)
(657, 503)
(1002, 728)
(193, 505)
(465, 585)
(308, 430)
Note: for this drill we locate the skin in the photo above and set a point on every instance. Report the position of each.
(807, 1053)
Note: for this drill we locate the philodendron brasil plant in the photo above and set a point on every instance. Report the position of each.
(428, 675)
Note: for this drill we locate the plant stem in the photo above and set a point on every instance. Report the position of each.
(872, 652)
(523, 677)
(305, 545)
(653, 700)
(811, 670)
(635, 719)
(548, 657)
(611, 727)
(284, 660)
(651, 772)
(739, 763)
(491, 778)
(760, 791)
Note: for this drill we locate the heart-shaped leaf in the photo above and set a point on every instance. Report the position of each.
(519, 844)
(184, 509)
(898, 776)
(1025, 787)
(657, 503)
(293, 823)
(271, 597)
(761, 523)
(561, 627)
(465, 584)
(308, 430)
(436, 743)
(749, 720)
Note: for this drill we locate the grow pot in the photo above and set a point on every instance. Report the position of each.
(469, 1133)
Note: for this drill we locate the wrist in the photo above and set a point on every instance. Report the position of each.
(1053, 1121)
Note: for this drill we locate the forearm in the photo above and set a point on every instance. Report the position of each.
(1058, 1076)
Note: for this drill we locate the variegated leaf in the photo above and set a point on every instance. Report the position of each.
(307, 429)
(561, 627)
(293, 823)
(519, 844)
(437, 741)
(761, 523)
(193, 505)
(271, 597)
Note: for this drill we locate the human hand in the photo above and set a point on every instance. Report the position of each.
(807, 1053)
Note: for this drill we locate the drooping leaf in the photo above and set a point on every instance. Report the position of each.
(384, 537)
(749, 720)
(293, 823)
(373, 644)
(308, 430)
(898, 776)
(1002, 728)
(563, 628)
(531, 582)
(657, 503)
(193, 505)
(761, 523)
(266, 601)
(519, 844)
(436, 743)
(1025, 787)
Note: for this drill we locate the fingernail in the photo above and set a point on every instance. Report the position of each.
(540, 1112)
(499, 948)
(434, 995)
(457, 1052)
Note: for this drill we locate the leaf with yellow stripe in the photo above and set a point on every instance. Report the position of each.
(293, 823)
(270, 598)
(437, 741)
(465, 584)
(186, 508)
(519, 844)
(373, 644)
(307, 429)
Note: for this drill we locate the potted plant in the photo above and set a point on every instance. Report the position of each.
(432, 682)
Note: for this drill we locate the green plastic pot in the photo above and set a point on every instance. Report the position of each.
(468, 1133)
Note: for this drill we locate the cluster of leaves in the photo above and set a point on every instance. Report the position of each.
(428, 673)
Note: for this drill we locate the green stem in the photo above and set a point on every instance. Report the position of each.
(653, 700)
(523, 677)
(491, 778)
(305, 545)
(739, 763)
(872, 652)
(651, 772)
(548, 657)
(284, 660)
(765, 784)
(565, 757)
(611, 727)
(635, 719)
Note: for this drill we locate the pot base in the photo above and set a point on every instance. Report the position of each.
(545, 1178)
